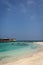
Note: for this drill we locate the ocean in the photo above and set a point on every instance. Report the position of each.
(13, 50)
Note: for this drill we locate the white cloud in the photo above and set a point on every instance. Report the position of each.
(33, 17)
(8, 9)
(23, 8)
(29, 2)
(10, 6)
(6, 2)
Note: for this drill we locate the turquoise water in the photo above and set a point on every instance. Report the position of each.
(16, 49)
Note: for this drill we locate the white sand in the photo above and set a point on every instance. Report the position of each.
(35, 59)
(41, 43)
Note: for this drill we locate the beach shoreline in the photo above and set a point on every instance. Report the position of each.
(32, 59)
(40, 43)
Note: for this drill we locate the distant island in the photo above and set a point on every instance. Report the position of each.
(8, 40)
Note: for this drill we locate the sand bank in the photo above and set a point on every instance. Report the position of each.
(41, 43)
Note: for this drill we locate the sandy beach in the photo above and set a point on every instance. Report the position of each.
(41, 43)
(34, 59)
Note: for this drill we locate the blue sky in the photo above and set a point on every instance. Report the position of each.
(21, 19)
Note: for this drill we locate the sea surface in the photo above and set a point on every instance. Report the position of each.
(16, 49)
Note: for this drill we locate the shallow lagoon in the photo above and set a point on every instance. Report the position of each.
(16, 49)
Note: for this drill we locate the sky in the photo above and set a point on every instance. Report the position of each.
(21, 19)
